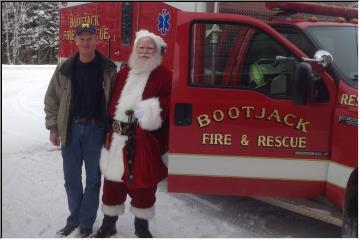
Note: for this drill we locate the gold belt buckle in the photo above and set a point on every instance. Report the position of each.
(116, 126)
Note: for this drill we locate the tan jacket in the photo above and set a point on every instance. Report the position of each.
(58, 95)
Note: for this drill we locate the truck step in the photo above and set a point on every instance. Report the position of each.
(318, 208)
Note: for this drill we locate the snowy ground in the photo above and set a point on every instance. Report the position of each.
(34, 200)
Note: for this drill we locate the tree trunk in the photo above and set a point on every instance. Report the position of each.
(5, 20)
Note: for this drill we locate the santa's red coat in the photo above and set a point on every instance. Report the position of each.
(152, 130)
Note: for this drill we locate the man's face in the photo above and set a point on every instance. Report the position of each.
(145, 48)
(86, 42)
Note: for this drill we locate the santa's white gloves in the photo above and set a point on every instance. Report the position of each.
(139, 113)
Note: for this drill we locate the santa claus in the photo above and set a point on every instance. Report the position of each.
(131, 160)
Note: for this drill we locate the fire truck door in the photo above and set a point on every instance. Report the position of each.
(234, 128)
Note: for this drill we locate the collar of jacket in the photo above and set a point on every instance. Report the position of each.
(66, 67)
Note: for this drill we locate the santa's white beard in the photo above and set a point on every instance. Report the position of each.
(140, 64)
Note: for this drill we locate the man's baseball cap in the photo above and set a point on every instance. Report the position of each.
(85, 27)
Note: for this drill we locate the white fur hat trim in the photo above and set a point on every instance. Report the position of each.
(160, 43)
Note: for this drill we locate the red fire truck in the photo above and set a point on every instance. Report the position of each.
(261, 108)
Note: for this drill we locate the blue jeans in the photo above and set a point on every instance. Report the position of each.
(86, 140)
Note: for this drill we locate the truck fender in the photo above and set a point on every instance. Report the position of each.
(350, 210)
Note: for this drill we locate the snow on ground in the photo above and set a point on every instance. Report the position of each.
(34, 200)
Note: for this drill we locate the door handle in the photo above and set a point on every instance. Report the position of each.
(183, 114)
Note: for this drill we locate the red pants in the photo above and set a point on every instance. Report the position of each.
(114, 193)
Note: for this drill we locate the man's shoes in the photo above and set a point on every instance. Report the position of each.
(85, 232)
(142, 228)
(65, 231)
(108, 227)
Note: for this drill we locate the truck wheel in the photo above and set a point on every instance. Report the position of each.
(350, 215)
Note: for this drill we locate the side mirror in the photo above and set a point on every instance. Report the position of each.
(322, 57)
(303, 84)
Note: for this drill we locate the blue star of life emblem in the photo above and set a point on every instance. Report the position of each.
(164, 25)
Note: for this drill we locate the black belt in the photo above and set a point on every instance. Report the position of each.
(85, 120)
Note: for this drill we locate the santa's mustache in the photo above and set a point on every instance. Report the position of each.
(144, 56)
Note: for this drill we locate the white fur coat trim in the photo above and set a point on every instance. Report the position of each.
(131, 94)
(113, 211)
(151, 119)
(111, 161)
(144, 213)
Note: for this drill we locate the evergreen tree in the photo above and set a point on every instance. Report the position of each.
(40, 33)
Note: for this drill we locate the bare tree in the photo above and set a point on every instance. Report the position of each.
(13, 17)
(5, 21)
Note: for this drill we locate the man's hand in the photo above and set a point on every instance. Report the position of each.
(107, 142)
(54, 138)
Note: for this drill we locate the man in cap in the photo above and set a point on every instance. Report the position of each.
(76, 115)
(131, 160)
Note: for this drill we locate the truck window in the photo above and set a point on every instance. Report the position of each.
(126, 22)
(298, 39)
(240, 56)
(341, 42)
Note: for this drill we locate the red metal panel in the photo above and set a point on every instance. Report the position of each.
(244, 186)
(109, 28)
(63, 33)
(344, 145)
(345, 136)
(335, 194)
(88, 10)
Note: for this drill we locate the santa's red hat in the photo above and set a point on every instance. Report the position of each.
(160, 43)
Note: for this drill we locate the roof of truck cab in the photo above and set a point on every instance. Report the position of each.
(302, 24)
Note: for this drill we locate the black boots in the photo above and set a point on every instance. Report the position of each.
(108, 227)
(142, 228)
